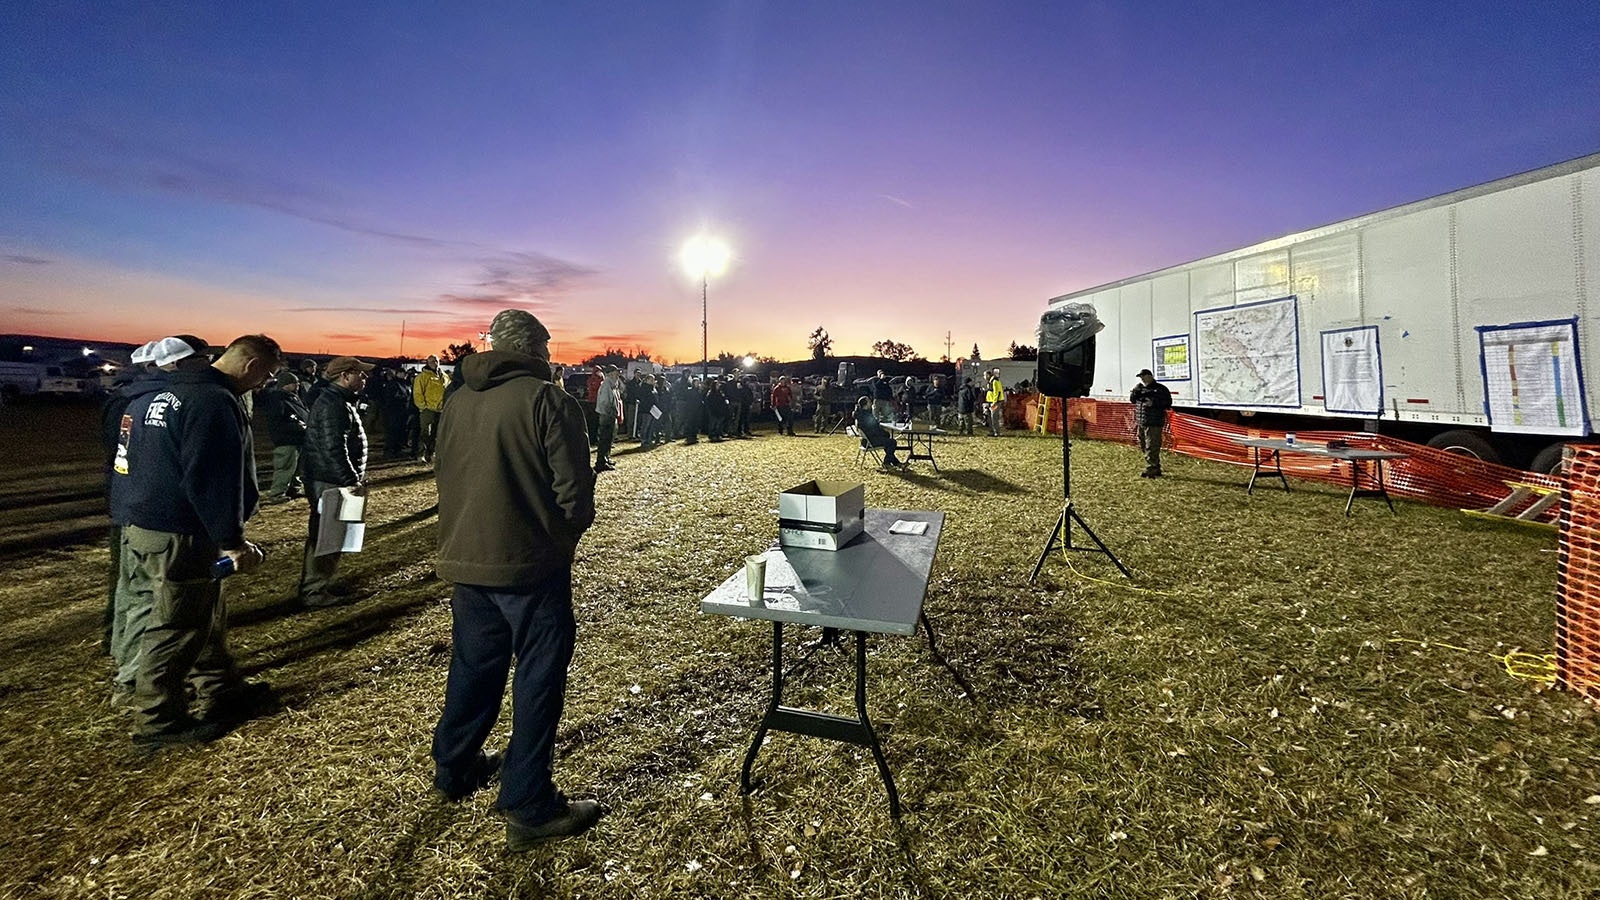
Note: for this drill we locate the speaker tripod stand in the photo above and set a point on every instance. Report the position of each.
(1062, 532)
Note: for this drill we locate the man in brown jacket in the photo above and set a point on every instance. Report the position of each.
(516, 493)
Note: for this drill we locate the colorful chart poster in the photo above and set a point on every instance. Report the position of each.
(1171, 358)
(1248, 355)
(1532, 381)
(1352, 371)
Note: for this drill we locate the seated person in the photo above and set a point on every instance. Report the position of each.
(874, 433)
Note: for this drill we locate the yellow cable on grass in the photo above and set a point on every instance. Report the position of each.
(1517, 663)
(1121, 584)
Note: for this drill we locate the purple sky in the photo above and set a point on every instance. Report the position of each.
(324, 172)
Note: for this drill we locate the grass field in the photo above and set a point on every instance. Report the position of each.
(1267, 709)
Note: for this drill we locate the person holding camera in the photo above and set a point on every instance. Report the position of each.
(1151, 400)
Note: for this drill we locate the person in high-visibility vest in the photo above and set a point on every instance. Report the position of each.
(996, 398)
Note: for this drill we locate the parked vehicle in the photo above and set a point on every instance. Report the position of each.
(1461, 320)
(21, 379)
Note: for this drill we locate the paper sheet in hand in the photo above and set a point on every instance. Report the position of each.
(336, 535)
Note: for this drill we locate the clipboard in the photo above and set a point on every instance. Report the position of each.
(343, 527)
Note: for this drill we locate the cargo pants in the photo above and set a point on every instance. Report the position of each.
(166, 577)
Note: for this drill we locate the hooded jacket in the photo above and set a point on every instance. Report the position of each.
(286, 415)
(183, 463)
(516, 491)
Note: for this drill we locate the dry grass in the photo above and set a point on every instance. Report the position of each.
(1236, 720)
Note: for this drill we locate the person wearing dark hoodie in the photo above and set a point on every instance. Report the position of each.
(516, 493)
(183, 487)
(286, 416)
(129, 611)
(111, 411)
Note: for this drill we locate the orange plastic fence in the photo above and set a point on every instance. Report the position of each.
(1426, 474)
(1578, 577)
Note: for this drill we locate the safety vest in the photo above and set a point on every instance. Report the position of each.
(997, 392)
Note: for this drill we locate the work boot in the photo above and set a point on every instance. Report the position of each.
(451, 789)
(184, 731)
(580, 816)
(240, 702)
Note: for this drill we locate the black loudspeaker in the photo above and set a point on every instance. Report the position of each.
(1067, 373)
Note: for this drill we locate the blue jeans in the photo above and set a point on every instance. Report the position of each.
(490, 626)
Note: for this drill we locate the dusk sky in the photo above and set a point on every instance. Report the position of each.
(323, 172)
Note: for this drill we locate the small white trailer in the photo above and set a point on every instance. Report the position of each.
(1461, 320)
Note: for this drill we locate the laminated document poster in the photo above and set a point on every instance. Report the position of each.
(1248, 355)
(1352, 371)
(1171, 357)
(1532, 381)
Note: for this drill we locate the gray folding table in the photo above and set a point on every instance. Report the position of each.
(1355, 456)
(876, 583)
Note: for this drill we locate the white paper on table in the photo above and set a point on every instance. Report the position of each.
(901, 526)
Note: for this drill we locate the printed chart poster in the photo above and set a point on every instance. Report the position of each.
(1531, 380)
(1352, 371)
(1171, 358)
(1248, 355)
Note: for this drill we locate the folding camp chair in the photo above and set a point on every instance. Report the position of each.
(865, 448)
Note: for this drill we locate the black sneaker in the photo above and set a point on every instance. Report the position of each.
(187, 731)
(484, 770)
(581, 815)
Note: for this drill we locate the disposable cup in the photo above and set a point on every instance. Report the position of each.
(755, 578)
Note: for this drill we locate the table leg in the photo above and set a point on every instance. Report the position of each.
(772, 707)
(1355, 485)
(856, 731)
(861, 712)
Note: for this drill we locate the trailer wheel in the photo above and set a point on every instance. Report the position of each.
(1465, 443)
(1548, 460)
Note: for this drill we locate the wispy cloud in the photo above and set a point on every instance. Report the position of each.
(896, 200)
(24, 260)
(31, 311)
(375, 310)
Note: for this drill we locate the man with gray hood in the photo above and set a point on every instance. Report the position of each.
(516, 493)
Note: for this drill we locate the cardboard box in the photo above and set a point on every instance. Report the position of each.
(823, 515)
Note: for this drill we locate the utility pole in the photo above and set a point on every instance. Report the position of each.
(948, 345)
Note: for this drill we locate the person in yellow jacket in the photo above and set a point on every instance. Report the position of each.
(427, 392)
(996, 398)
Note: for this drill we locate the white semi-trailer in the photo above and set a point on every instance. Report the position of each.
(1461, 320)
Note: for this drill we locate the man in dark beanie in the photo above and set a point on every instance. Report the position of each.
(516, 493)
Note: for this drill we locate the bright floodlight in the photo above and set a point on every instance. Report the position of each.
(705, 257)
(749, 361)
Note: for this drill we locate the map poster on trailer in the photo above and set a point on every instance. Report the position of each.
(1171, 358)
(1352, 371)
(1532, 382)
(1248, 355)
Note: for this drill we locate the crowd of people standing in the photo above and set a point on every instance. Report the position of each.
(511, 449)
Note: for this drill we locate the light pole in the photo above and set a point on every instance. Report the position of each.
(705, 256)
